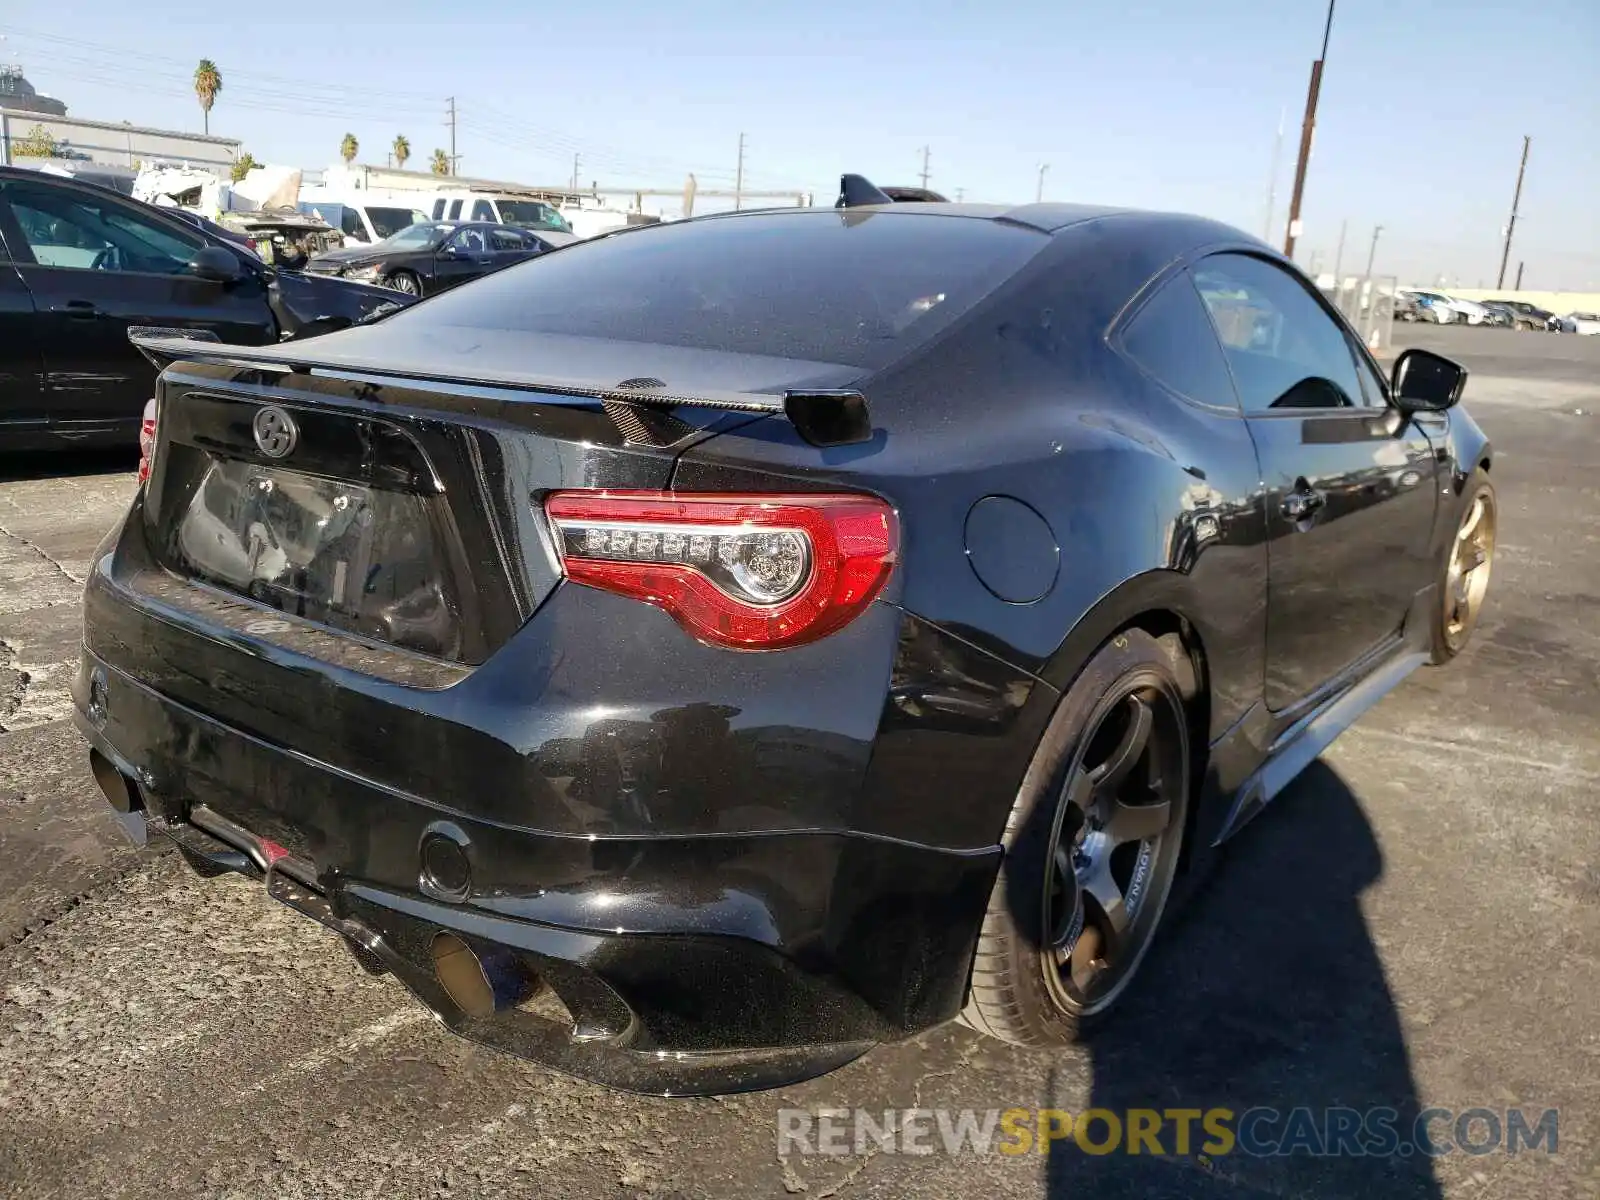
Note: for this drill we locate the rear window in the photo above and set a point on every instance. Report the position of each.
(853, 288)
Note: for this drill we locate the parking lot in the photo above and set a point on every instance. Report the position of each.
(1414, 923)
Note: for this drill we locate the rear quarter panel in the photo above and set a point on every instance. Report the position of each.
(1153, 501)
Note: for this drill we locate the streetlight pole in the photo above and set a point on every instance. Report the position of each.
(1039, 195)
(1373, 253)
(1306, 129)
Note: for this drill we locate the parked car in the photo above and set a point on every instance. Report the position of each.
(434, 255)
(361, 223)
(769, 634)
(284, 237)
(1529, 316)
(1581, 322)
(1407, 307)
(524, 209)
(86, 264)
(1447, 310)
(1498, 315)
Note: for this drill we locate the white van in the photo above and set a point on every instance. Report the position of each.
(364, 221)
(503, 208)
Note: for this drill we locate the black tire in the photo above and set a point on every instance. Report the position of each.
(1464, 574)
(405, 282)
(1026, 987)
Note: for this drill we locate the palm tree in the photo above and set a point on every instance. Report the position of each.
(349, 147)
(207, 83)
(402, 151)
(441, 163)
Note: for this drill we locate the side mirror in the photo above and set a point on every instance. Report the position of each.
(1423, 381)
(214, 265)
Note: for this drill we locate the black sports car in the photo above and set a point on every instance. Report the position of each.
(431, 256)
(697, 656)
(81, 264)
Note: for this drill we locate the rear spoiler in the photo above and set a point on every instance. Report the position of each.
(824, 417)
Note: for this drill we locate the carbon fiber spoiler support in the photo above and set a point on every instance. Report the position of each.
(821, 417)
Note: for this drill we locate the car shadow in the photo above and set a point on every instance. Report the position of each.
(17, 467)
(1266, 992)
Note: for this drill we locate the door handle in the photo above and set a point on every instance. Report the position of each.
(82, 309)
(1303, 504)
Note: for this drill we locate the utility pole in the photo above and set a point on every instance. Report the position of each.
(1372, 254)
(925, 168)
(575, 161)
(1038, 196)
(1305, 138)
(1520, 265)
(1516, 199)
(738, 176)
(1272, 181)
(454, 157)
(1338, 255)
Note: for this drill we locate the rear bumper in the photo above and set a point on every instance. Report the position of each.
(684, 964)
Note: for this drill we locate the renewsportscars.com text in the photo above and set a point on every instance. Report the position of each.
(1215, 1132)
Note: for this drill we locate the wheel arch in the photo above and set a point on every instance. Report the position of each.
(1160, 605)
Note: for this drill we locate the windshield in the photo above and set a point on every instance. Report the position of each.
(390, 221)
(856, 289)
(417, 237)
(532, 214)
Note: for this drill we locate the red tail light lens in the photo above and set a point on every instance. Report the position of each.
(147, 439)
(751, 572)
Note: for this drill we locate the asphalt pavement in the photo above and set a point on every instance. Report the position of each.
(1414, 924)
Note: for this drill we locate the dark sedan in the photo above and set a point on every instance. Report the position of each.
(81, 264)
(1527, 316)
(697, 656)
(431, 256)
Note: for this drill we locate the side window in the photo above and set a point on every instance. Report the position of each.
(1285, 350)
(438, 209)
(505, 240)
(455, 209)
(1172, 339)
(74, 230)
(482, 210)
(468, 240)
(350, 225)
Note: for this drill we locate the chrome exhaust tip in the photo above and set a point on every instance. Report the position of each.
(116, 787)
(481, 983)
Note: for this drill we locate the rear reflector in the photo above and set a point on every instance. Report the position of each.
(147, 439)
(750, 572)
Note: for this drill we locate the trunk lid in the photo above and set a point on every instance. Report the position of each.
(386, 489)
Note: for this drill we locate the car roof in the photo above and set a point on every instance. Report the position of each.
(1047, 218)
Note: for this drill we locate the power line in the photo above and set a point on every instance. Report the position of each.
(312, 98)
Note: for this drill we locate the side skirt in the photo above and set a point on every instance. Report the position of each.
(1309, 737)
(1308, 734)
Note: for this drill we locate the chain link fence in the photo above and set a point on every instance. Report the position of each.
(1367, 302)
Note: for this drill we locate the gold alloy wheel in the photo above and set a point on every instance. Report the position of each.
(1467, 580)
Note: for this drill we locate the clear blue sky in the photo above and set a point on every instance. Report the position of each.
(1152, 103)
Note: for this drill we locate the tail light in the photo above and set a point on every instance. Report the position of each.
(750, 572)
(147, 439)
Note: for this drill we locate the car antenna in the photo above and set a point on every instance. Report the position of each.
(857, 191)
